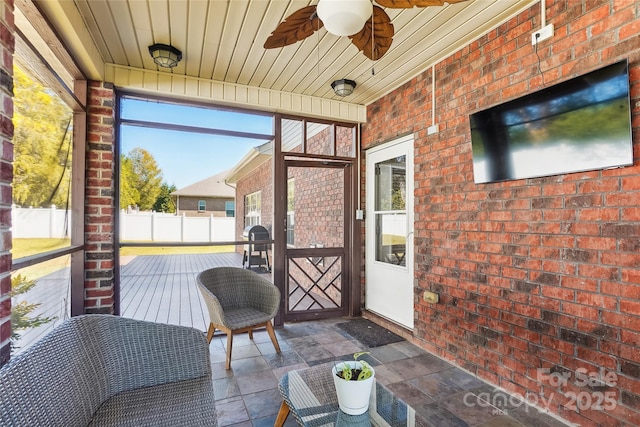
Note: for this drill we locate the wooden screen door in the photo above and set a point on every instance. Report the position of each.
(316, 255)
(313, 217)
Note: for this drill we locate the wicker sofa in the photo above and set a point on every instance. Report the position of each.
(101, 370)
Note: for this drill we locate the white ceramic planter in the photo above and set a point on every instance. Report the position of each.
(353, 396)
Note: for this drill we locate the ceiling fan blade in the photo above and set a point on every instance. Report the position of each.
(408, 4)
(382, 35)
(297, 26)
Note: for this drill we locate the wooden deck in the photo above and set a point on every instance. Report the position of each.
(157, 288)
(162, 288)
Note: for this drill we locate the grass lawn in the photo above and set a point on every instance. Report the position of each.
(26, 247)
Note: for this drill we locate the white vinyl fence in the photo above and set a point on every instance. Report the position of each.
(135, 226)
(40, 222)
(162, 227)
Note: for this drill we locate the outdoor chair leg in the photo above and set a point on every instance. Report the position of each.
(229, 346)
(272, 334)
(210, 332)
(283, 413)
(251, 334)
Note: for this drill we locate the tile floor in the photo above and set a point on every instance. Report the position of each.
(247, 395)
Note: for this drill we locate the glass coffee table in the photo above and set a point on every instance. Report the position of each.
(310, 396)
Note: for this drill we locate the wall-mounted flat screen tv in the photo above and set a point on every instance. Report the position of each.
(577, 125)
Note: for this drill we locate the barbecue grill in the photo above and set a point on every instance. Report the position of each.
(256, 254)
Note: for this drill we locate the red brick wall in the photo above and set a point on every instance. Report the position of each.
(532, 274)
(100, 201)
(7, 45)
(259, 180)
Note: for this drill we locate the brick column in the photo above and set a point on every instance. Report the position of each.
(7, 45)
(100, 201)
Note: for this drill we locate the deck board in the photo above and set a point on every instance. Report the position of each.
(162, 288)
(156, 288)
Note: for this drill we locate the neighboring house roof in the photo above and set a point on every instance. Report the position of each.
(254, 158)
(291, 137)
(214, 186)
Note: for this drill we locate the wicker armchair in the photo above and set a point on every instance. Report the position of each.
(103, 370)
(238, 300)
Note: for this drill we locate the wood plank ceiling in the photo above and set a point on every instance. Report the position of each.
(223, 41)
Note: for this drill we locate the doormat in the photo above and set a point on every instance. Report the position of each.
(369, 333)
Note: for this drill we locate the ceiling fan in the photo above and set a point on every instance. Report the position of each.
(367, 25)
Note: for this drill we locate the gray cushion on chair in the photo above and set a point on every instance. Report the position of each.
(172, 404)
(238, 318)
(110, 371)
(237, 298)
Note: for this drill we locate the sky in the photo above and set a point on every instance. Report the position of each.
(185, 157)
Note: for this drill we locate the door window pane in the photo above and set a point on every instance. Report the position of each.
(391, 184)
(391, 240)
(391, 215)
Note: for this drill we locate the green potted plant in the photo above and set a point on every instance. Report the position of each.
(353, 380)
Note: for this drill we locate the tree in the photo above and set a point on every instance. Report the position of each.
(164, 202)
(42, 145)
(21, 311)
(129, 195)
(140, 179)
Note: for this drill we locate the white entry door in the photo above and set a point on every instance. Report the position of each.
(389, 236)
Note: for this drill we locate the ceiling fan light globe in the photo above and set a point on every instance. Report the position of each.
(344, 17)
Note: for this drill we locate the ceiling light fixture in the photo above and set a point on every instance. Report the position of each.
(343, 87)
(344, 17)
(164, 55)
